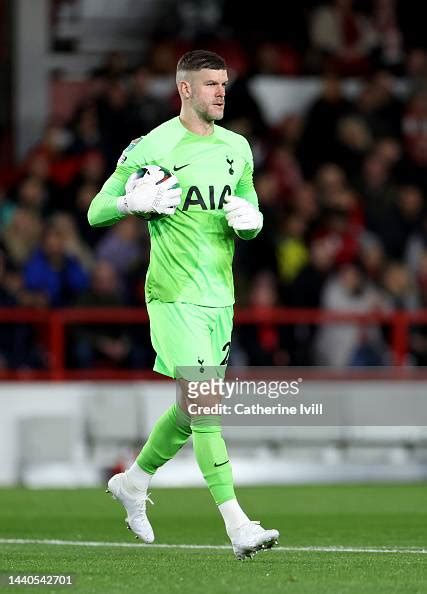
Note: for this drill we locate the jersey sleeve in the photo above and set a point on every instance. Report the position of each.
(245, 189)
(103, 210)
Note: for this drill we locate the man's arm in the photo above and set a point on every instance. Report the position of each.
(122, 195)
(245, 189)
(242, 210)
(103, 210)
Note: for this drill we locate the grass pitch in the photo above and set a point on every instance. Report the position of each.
(334, 540)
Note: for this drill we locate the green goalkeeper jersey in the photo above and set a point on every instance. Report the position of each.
(192, 250)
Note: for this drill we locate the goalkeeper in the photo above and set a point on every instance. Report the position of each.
(193, 218)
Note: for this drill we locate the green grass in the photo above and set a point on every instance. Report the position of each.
(349, 516)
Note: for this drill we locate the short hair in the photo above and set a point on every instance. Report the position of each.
(198, 59)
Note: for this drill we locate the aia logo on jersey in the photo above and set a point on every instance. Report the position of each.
(210, 202)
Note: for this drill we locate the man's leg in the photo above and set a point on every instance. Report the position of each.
(167, 437)
(213, 460)
(212, 457)
(208, 444)
(211, 454)
(172, 335)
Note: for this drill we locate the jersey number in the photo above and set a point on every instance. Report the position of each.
(226, 348)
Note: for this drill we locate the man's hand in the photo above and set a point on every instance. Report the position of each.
(145, 197)
(242, 215)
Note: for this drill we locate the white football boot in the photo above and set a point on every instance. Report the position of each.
(250, 538)
(134, 501)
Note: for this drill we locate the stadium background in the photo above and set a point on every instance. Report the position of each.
(333, 99)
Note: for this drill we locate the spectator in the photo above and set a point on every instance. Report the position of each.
(421, 278)
(416, 246)
(84, 195)
(344, 37)
(51, 276)
(418, 335)
(372, 258)
(54, 147)
(414, 127)
(291, 249)
(306, 291)
(390, 150)
(114, 66)
(306, 288)
(416, 69)
(260, 255)
(334, 227)
(32, 194)
(283, 164)
(114, 119)
(85, 127)
(399, 287)
(264, 344)
(241, 103)
(389, 35)
(92, 172)
(304, 203)
(120, 245)
(146, 111)
(353, 142)
(344, 344)
(18, 348)
(289, 131)
(277, 58)
(7, 208)
(377, 191)
(403, 220)
(75, 247)
(318, 143)
(104, 344)
(378, 106)
(21, 235)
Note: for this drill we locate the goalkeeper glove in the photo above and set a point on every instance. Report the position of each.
(147, 197)
(242, 215)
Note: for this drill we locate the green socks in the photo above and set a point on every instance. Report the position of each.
(172, 431)
(167, 437)
(212, 458)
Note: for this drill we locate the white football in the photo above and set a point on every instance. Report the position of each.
(149, 174)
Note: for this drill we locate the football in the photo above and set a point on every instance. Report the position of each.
(149, 174)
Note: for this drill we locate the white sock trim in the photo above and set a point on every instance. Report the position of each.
(233, 515)
(138, 478)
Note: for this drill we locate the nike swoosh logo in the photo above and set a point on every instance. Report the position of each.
(222, 463)
(175, 168)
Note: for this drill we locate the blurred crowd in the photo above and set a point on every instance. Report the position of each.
(342, 188)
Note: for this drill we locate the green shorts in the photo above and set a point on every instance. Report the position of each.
(186, 335)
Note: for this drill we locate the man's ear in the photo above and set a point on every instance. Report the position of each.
(184, 88)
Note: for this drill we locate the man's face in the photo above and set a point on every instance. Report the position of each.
(207, 93)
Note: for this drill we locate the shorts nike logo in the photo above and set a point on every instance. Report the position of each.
(175, 168)
(222, 463)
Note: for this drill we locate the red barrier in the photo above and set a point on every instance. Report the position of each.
(56, 322)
